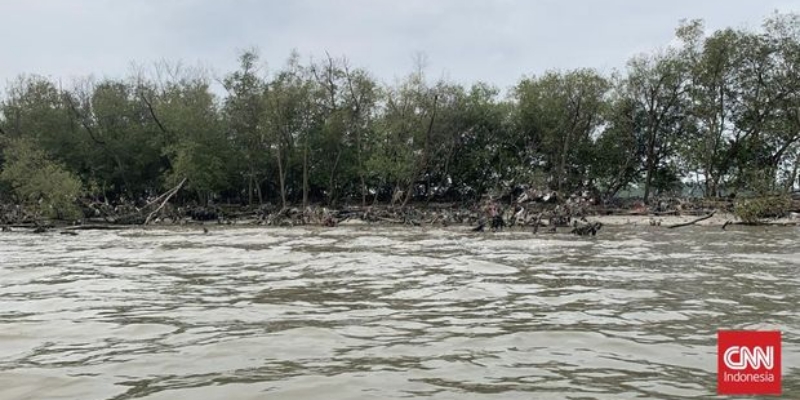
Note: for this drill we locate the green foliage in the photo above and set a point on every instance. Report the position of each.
(721, 108)
(480, 152)
(40, 182)
(243, 113)
(620, 148)
(195, 141)
(558, 114)
(756, 209)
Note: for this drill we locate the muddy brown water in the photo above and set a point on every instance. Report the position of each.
(379, 313)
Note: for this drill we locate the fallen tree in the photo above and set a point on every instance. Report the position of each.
(166, 199)
(692, 222)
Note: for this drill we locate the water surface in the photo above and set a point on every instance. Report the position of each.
(379, 313)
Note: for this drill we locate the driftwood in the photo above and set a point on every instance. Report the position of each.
(536, 224)
(765, 223)
(668, 212)
(94, 227)
(171, 193)
(692, 222)
(29, 226)
(498, 223)
(129, 219)
(587, 229)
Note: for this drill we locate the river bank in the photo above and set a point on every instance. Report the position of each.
(718, 220)
(520, 212)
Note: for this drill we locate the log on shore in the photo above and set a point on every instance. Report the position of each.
(766, 223)
(692, 222)
(668, 212)
(96, 227)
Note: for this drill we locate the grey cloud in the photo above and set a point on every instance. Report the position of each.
(492, 41)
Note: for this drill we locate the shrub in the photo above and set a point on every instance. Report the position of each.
(39, 182)
(755, 209)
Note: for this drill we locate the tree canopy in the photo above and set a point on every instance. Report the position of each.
(720, 110)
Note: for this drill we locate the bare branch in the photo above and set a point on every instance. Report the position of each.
(82, 118)
(152, 112)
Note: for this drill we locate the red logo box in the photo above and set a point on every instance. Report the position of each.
(749, 362)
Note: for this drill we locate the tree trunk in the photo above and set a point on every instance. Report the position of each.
(305, 174)
(409, 193)
(563, 165)
(651, 146)
(793, 178)
(250, 188)
(426, 153)
(281, 177)
(332, 179)
(361, 174)
(363, 192)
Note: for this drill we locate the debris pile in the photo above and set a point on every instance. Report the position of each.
(522, 208)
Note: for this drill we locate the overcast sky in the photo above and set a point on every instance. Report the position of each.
(492, 41)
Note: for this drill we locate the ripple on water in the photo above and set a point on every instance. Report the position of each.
(369, 312)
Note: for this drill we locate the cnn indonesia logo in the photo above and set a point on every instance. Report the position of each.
(749, 362)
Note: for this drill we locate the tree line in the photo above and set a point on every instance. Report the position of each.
(720, 110)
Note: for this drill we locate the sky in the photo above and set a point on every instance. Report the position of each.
(494, 41)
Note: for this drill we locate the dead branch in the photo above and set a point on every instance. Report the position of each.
(95, 227)
(82, 118)
(693, 221)
(152, 112)
(171, 193)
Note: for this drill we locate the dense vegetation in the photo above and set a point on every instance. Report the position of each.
(721, 110)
